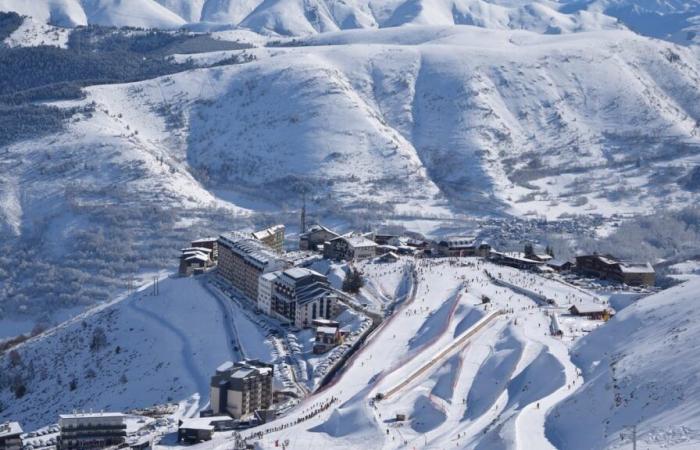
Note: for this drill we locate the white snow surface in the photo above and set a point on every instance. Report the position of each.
(297, 17)
(431, 122)
(159, 349)
(33, 33)
(640, 369)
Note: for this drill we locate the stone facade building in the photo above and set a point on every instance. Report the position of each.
(241, 389)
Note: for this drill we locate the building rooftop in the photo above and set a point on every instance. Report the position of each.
(10, 429)
(225, 366)
(203, 423)
(96, 415)
(267, 232)
(360, 241)
(636, 268)
(252, 250)
(299, 272)
(326, 330)
(459, 241)
(202, 240)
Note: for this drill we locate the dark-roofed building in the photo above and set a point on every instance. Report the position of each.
(316, 236)
(560, 265)
(350, 247)
(195, 260)
(210, 243)
(198, 429)
(88, 431)
(326, 337)
(239, 389)
(514, 259)
(300, 296)
(591, 310)
(463, 246)
(243, 259)
(10, 436)
(607, 267)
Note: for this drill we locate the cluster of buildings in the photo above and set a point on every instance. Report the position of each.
(241, 389)
(79, 431)
(297, 296)
(607, 267)
(327, 335)
(10, 436)
(240, 395)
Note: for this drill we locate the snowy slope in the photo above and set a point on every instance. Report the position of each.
(640, 369)
(302, 17)
(419, 124)
(483, 393)
(676, 20)
(471, 119)
(158, 349)
(70, 13)
(32, 33)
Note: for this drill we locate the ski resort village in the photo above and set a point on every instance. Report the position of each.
(350, 340)
(349, 224)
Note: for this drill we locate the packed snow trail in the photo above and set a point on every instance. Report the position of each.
(197, 373)
(458, 342)
(530, 424)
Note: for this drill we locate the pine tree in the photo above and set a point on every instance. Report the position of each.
(353, 281)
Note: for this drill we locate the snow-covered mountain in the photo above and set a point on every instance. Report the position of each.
(302, 17)
(640, 369)
(416, 126)
(677, 20)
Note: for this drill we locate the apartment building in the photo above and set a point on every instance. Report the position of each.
(241, 389)
(297, 296)
(242, 259)
(10, 436)
(88, 431)
(607, 267)
(273, 237)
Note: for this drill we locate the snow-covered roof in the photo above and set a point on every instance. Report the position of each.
(636, 268)
(267, 232)
(557, 262)
(459, 241)
(299, 272)
(197, 257)
(271, 276)
(225, 366)
(252, 250)
(10, 429)
(203, 423)
(589, 307)
(92, 415)
(326, 330)
(196, 249)
(203, 240)
(316, 228)
(360, 241)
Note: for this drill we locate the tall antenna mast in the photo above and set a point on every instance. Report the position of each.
(302, 225)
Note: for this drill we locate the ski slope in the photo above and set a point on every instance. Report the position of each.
(640, 369)
(465, 376)
(159, 349)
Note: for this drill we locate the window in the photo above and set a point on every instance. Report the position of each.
(313, 311)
